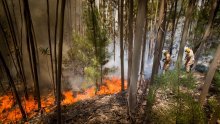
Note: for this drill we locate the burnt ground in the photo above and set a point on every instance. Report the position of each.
(108, 109)
(111, 109)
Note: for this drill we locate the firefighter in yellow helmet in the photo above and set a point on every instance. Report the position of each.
(189, 59)
(166, 60)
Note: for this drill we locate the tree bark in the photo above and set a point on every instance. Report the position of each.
(31, 42)
(213, 12)
(209, 76)
(59, 71)
(50, 46)
(122, 44)
(130, 38)
(132, 101)
(143, 49)
(188, 16)
(173, 28)
(55, 44)
(159, 42)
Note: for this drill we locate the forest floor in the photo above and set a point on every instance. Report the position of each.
(112, 109)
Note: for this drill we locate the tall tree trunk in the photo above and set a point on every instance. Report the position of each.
(209, 76)
(31, 42)
(50, 46)
(11, 82)
(188, 16)
(159, 41)
(55, 45)
(213, 12)
(130, 38)
(132, 101)
(143, 49)
(114, 35)
(168, 19)
(122, 44)
(94, 36)
(59, 71)
(173, 28)
(178, 17)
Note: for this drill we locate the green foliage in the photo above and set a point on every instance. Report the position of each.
(96, 33)
(188, 110)
(171, 79)
(97, 36)
(216, 81)
(89, 53)
(44, 51)
(91, 72)
(182, 107)
(81, 52)
(213, 106)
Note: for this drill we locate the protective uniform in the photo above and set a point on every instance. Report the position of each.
(167, 61)
(189, 59)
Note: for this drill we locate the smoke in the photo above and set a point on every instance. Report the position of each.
(38, 11)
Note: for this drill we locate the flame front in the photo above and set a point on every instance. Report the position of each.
(9, 112)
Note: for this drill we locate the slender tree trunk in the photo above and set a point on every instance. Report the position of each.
(178, 17)
(143, 53)
(11, 82)
(94, 37)
(173, 28)
(59, 71)
(114, 37)
(30, 41)
(188, 16)
(50, 46)
(209, 76)
(130, 38)
(122, 44)
(55, 46)
(1, 77)
(136, 57)
(168, 19)
(144, 49)
(213, 12)
(159, 42)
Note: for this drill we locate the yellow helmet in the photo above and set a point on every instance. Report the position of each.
(187, 49)
(165, 52)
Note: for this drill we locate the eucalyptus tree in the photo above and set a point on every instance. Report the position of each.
(159, 41)
(59, 64)
(50, 45)
(191, 5)
(136, 57)
(32, 49)
(173, 27)
(121, 42)
(130, 38)
(213, 12)
(208, 80)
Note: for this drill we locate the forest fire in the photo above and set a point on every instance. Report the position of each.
(9, 111)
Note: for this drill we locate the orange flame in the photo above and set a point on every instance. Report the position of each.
(11, 113)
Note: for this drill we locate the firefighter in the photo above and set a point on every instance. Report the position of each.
(189, 59)
(166, 60)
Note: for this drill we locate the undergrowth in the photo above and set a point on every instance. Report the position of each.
(181, 107)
